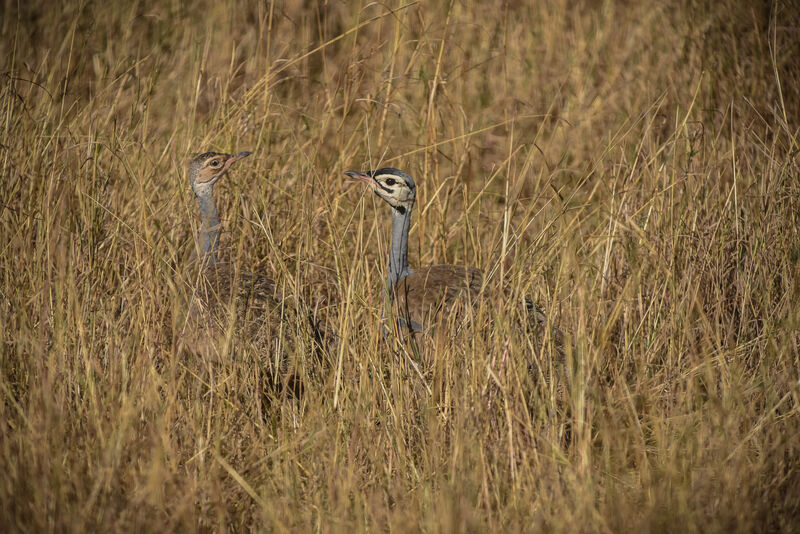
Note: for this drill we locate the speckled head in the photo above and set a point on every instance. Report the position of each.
(394, 186)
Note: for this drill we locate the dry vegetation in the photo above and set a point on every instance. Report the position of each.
(632, 166)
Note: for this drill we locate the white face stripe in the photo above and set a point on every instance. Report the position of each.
(398, 193)
(382, 178)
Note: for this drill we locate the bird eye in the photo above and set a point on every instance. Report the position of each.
(390, 181)
(215, 163)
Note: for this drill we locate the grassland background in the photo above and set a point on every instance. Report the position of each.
(631, 165)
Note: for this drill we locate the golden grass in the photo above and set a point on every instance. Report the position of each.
(633, 167)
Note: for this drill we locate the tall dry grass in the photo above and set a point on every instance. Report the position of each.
(632, 166)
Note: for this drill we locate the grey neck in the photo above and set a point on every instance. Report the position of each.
(209, 231)
(398, 255)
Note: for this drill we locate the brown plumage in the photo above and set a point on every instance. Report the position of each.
(224, 299)
(423, 294)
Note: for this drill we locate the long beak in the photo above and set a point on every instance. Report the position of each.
(362, 177)
(233, 159)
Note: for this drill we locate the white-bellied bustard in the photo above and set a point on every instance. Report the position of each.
(227, 299)
(418, 296)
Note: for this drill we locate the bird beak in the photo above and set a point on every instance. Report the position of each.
(237, 157)
(362, 177)
(233, 159)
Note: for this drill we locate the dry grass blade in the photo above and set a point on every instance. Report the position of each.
(629, 167)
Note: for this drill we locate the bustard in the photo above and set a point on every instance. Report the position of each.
(225, 296)
(204, 172)
(416, 296)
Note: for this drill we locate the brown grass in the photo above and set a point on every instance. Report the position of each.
(633, 167)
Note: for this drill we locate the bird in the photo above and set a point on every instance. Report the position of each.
(223, 293)
(204, 172)
(416, 297)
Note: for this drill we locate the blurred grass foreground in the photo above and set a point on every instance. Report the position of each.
(631, 166)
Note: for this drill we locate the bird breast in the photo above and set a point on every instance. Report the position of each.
(421, 295)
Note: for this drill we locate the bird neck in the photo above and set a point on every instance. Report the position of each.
(209, 230)
(398, 255)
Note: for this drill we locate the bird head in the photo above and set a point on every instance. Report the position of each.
(393, 185)
(207, 168)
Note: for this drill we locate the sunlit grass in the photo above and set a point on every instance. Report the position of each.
(632, 168)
